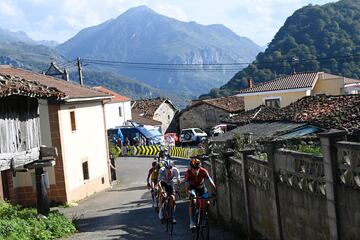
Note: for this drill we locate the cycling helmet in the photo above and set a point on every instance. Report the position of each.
(154, 163)
(195, 163)
(168, 164)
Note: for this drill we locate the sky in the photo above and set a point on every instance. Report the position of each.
(60, 20)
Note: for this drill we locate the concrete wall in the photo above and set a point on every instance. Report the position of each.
(164, 114)
(329, 86)
(285, 99)
(87, 143)
(112, 112)
(289, 196)
(195, 117)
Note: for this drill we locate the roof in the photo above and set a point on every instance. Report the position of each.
(261, 113)
(72, 90)
(148, 107)
(144, 121)
(261, 130)
(293, 81)
(231, 104)
(351, 81)
(11, 85)
(117, 97)
(338, 112)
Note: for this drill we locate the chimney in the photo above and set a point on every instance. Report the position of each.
(250, 83)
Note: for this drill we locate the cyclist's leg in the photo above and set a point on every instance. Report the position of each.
(162, 199)
(192, 204)
(171, 193)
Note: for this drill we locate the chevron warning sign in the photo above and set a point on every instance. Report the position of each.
(177, 152)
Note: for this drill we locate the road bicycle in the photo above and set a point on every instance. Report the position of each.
(168, 213)
(201, 216)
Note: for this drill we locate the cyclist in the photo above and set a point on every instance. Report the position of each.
(167, 174)
(153, 177)
(163, 154)
(195, 178)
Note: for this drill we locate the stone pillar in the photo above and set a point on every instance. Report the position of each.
(270, 148)
(329, 150)
(1, 188)
(213, 157)
(227, 154)
(245, 178)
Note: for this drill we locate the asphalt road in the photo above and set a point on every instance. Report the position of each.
(125, 212)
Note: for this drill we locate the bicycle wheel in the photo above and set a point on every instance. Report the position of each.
(171, 218)
(196, 230)
(205, 229)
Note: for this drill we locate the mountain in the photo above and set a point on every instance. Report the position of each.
(7, 36)
(38, 57)
(315, 38)
(142, 35)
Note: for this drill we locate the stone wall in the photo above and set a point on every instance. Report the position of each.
(202, 116)
(290, 195)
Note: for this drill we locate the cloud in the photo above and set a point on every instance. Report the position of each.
(9, 9)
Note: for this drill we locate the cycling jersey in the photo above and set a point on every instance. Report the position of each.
(197, 181)
(154, 174)
(167, 176)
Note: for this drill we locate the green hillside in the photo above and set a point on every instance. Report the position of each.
(315, 38)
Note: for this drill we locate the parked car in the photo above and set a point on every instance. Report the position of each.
(192, 135)
(136, 135)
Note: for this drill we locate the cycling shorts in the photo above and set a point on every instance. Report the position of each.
(200, 191)
(169, 189)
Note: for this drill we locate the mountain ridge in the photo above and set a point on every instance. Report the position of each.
(313, 38)
(142, 35)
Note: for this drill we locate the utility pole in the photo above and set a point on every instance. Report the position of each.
(81, 80)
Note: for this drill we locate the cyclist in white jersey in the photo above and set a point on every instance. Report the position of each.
(167, 175)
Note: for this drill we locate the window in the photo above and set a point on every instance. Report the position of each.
(120, 112)
(274, 102)
(85, 168)
(73, 122)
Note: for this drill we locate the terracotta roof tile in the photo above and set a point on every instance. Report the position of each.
(339, 112)
(10, 85)
(351, 81)
(117, 97)
(72, 90)
(143, 120)
(230, 104)
(148, 107)
(293, 81)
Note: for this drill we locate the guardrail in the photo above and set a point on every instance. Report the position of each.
(178, 152)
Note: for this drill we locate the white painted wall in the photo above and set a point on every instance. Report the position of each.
(86, 143)
(113, 118)
(164, 114)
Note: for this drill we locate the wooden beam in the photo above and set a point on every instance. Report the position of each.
(19, 159)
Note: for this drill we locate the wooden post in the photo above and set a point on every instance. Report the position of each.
(328, 141)
(81, 80)
(42, 201)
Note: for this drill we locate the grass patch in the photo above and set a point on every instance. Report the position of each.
(310, 149)
(23, 224)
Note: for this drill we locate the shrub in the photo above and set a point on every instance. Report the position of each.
(23, 224)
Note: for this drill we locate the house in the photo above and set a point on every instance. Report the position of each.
(326, 112)
(75, 125)
(285, 90)
(117, 110)
(205, 114)
(159, 109)
(20, 126)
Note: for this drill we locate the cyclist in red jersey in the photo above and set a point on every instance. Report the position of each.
(195, 178)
